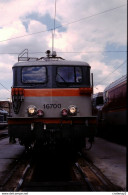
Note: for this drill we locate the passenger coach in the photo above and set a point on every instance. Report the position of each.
(51, 101)
(115, 96)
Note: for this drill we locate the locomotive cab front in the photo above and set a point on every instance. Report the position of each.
(51, 100)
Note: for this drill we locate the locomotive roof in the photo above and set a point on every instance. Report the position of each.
(51, 62)
(116, 83)
(50, 59)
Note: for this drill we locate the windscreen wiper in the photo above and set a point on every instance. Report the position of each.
(61, 77)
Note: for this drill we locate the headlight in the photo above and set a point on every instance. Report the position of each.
(32, 110)
(72, 110)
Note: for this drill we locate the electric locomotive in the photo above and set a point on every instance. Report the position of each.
(51, 100)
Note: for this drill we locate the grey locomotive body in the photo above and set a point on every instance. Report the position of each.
(52, 102)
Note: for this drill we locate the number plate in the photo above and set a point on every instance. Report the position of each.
(50, 106)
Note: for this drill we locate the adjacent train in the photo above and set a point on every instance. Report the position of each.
(51, 100)
(97, 102)
(112, 111)
(3, 118)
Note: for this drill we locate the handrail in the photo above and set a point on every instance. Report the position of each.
(20, 56)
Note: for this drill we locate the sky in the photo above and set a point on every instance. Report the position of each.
(92, 31)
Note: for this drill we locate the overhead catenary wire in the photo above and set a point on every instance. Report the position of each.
(109, 74)
(56, 27)
(66, 24)
(68, 52)
(4, 87)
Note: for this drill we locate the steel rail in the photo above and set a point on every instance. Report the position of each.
(22, 178)
(106, 183)
(91, 187)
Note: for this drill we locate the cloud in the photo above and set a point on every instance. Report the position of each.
(6, 76)
(83, 32)
(12, 30)
(99, 88)
(4, 95)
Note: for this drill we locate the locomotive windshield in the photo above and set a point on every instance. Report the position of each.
(68, 74)
(34, 74)
(51, 76)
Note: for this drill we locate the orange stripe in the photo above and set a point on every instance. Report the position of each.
(45, 121)
(55, 92)
(16, 121)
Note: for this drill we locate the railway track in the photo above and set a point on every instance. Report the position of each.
(3, 134)
(93, 177)
(51, 173)
(14, 172)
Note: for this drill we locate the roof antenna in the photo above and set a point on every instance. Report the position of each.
(53, 31)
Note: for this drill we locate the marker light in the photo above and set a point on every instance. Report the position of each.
(72, 110)
(40, 113)
(64, 112)
(32, 110)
